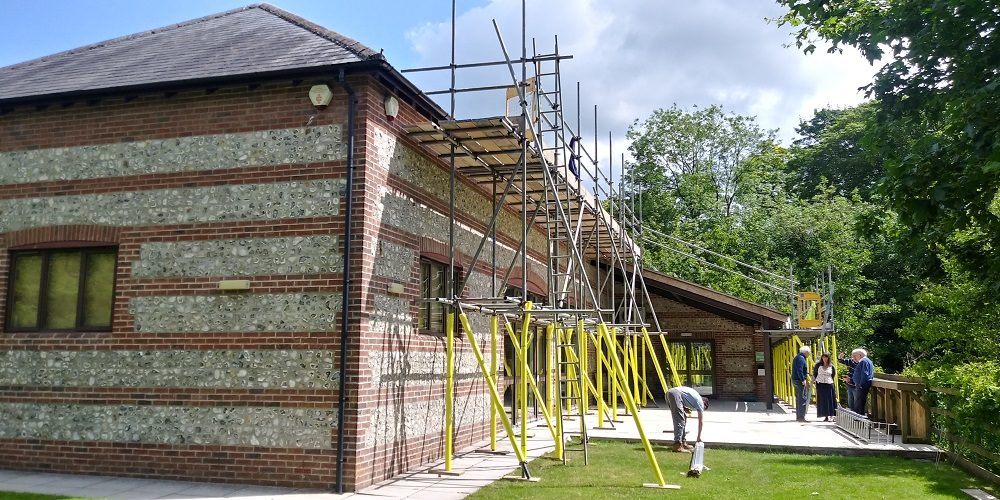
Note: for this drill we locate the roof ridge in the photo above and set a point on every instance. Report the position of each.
(357, 48)
(132, 36)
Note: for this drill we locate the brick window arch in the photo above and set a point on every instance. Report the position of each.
(60, 278)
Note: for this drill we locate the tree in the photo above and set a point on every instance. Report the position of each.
(941, 73)
(835, 145)
(702, 156)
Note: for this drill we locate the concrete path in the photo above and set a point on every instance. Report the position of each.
(727, 424)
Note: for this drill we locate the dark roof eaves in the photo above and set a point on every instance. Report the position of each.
(194, 82)
(752, 308)
(373, 65)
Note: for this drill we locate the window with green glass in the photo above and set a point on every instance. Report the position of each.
(433, 285)
(61, 289)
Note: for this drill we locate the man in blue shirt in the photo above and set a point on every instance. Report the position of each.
(849, 378)
(677, 399)
(800, 382)
(864, 374)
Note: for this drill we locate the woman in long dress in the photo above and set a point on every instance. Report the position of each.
(825, 375)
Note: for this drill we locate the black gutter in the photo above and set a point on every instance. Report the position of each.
(352, 104)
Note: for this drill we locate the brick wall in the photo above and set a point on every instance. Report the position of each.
(242, 182)
(733, 347)
(400, 369)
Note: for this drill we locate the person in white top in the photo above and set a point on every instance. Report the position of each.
(825, 375)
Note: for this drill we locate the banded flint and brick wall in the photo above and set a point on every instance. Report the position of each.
(196, 383)
(401, 370)
(191, 382)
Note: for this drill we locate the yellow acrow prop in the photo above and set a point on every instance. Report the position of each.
(494, 327)
(630, 405)
(491, 385)
(523, 381)
(534, 387)
(670, 360)
(449, 389)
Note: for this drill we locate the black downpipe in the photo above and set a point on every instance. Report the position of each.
(352, 104)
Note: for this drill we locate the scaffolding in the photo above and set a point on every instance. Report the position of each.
(535, 163)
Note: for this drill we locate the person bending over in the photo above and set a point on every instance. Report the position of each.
(679, 398)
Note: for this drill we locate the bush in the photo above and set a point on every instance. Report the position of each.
(976, 407)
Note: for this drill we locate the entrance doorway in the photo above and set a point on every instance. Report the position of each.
(694, 362)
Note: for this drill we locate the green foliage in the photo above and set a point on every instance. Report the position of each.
(939, 76)
(976, 408)
(952, 321)
(702, 157)
(766, 226)
(834, 145)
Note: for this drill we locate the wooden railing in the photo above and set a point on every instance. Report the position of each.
(926, 415)
(900, 401)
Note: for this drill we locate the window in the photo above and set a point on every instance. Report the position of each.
(433, 285)
(693, 360)
(61, 289)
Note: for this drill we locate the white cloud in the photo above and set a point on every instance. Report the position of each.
(636, 56)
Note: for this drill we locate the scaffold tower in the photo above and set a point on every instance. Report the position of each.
(535, 163)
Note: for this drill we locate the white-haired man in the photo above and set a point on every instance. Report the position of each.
(864, 374)
(800, 382)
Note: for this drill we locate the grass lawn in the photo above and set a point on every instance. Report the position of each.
(618, 469)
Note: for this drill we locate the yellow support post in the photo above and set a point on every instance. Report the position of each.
(523, 381)
(494, 330)
(491, 385)
(616, 387)
(449, 390)
(670, 360)
(583, 381)
(630, 405)
(584, 397)
(534, 388)
(642, 358)
(598, 347)
(570, 372)
(648, 345)
(637, 384)
(549, 351)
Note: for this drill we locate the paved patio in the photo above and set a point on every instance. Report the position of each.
(727, 425)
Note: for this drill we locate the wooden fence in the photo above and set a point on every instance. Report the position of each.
(923, 414)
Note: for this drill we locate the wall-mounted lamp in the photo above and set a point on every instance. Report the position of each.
(391, 108)
(320, 95)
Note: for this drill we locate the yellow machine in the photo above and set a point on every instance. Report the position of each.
(809, 309)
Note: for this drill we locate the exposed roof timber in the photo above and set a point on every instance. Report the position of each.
(700, 297)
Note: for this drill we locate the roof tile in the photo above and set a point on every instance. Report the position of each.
(254, 39)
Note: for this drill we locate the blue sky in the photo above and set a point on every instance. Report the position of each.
(631, 57)
(35, 28)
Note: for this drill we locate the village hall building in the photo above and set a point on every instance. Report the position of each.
(207, 273)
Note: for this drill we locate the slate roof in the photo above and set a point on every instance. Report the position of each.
(254, 39)
(704, 298)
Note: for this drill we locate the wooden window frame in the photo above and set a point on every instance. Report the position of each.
(423, 305)
(45, 253)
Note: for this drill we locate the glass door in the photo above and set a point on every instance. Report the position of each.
(694, 364)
